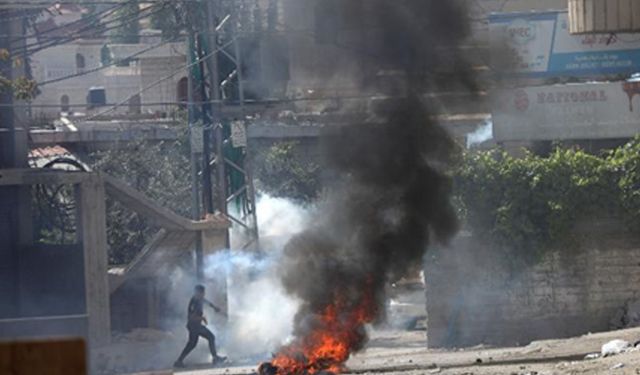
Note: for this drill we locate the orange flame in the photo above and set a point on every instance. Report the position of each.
(326, 348)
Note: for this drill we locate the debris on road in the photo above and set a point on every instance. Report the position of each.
(592, 356)
(614, 347)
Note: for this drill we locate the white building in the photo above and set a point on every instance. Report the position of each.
(150, 78)
(150, 82)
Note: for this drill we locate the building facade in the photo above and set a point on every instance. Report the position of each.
(151, 82)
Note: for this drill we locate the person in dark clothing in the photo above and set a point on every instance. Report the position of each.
(196, 328)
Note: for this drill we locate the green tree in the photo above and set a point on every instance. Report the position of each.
(282, 173)
(21, 87)
(529, 204)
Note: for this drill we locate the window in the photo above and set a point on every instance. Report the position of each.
(135, 104)
(80, 63)
(64, 103)
(183, 91)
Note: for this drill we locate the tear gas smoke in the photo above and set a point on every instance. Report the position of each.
(260, 311)
(483, 133)
(278, 220)
(392, 198)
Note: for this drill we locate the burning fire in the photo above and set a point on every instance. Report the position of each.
(339, 332)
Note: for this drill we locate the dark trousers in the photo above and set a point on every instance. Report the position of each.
(195, 331)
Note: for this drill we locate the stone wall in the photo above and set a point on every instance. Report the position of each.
(475, 295)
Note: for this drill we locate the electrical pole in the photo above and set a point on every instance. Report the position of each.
(214, 95)
(226, 152)
(196, 143)
(207, 123)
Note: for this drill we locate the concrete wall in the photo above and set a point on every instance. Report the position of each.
(130, 307)
(46, 295)
(474, 296)
(51, 280)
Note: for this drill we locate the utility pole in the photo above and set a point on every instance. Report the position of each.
(214, 127)
(196, 143)
(215, 115)
(207, 123)
(249, 218)
(227, 156)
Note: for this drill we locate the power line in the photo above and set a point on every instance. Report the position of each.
(169, 76)
(31, 4)
(116, 62)
(221, 101)
(26, 49)
(93, 37)
(82, 20)
(24, 14)
(79, 33)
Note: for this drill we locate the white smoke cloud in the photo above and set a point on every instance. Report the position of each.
(260, 312)
(278, 220)
(483, 133)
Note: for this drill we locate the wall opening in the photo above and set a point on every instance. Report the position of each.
(182, 91)
(80, 62)
(64, 103)
(135, 104)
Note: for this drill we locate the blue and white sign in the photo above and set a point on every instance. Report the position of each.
(541, 45)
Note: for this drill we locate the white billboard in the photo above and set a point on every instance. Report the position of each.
(563, 112)
(541, 45)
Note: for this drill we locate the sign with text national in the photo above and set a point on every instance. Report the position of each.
(539, 44)
(575, 111)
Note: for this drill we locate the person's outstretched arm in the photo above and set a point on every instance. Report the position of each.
(214, 307)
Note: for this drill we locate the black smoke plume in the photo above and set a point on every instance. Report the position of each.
(392, 198)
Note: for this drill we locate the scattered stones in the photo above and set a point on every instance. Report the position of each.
(563, 365)
(478, 360)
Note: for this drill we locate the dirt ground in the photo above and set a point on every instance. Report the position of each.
(404, 353)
